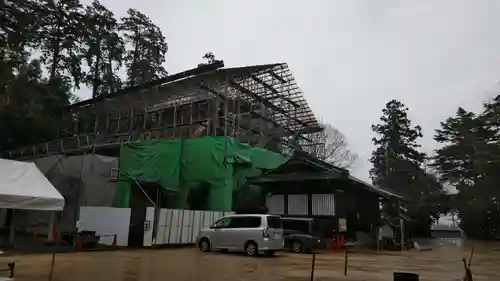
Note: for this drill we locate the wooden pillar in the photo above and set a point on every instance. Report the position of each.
(145, 120)
(118, 121)
(309, 205)
(131, 119)
(96, 123)
(175, 117)
(285, 202)
(107, 121)
(402, 234)
(215, 115)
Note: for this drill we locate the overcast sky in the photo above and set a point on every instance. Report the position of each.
(349, 57)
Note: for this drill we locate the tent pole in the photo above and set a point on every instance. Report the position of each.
(52, 224)
(76, 215)
(12, 228)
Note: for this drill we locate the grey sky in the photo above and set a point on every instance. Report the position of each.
(349, 57)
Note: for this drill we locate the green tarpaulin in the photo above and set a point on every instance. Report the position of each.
(179, 165)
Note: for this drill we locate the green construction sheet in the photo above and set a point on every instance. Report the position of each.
(178, 165)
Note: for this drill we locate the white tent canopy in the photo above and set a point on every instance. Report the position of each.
(23, 186)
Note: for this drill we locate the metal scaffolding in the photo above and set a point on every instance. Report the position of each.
(259, 105)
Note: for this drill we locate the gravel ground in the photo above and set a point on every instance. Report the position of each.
(188, 264)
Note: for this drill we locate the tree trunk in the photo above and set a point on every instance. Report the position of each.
(56, 50)
(134, 62)
(110, 77)
(95, 84)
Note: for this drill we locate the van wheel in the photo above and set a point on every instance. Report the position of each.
(204, 245)
(296, 247)
(251, 249)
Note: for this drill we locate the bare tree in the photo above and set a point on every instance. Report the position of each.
(331, 146)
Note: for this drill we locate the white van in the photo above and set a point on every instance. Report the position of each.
(249, 233)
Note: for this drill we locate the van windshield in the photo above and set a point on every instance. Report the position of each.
(274, 222)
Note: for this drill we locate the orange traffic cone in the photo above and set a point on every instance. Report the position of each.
(113, 244)
(79, 244)
(54, 237)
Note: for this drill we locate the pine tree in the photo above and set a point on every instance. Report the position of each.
(34, 110)
(398, 166)
(469, 160)
(103, 49)
(60, 39)
(18, 30)
(30, 108)
(455, 160)
(147, 50)
(396, 150)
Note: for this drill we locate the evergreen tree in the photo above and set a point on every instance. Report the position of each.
(469, 160)
(396, 150)
(147, 50)
(33, 110)
(397, 166)
(60, 39)
(18, 28)
(17, 31)
(30, 108)
(102, 50)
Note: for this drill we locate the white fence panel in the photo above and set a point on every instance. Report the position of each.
(177, 227)
(106, 222)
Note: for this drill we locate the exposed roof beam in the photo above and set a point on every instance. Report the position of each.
(265, 101)
(203, 87)
(270, 88)
(277, 77)
(133, 89)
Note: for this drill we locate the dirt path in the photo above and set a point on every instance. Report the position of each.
(190, 265)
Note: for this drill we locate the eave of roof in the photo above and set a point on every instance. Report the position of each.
(382, 192)
(329, 171)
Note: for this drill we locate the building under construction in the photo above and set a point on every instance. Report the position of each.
(259, 105)
(254, 115)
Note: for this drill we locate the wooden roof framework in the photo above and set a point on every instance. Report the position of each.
(261, 105)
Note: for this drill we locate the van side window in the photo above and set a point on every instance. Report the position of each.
(223, 223)
(245, 222)
(274, 222)
(297, 225)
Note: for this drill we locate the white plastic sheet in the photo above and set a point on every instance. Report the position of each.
(23, 186)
